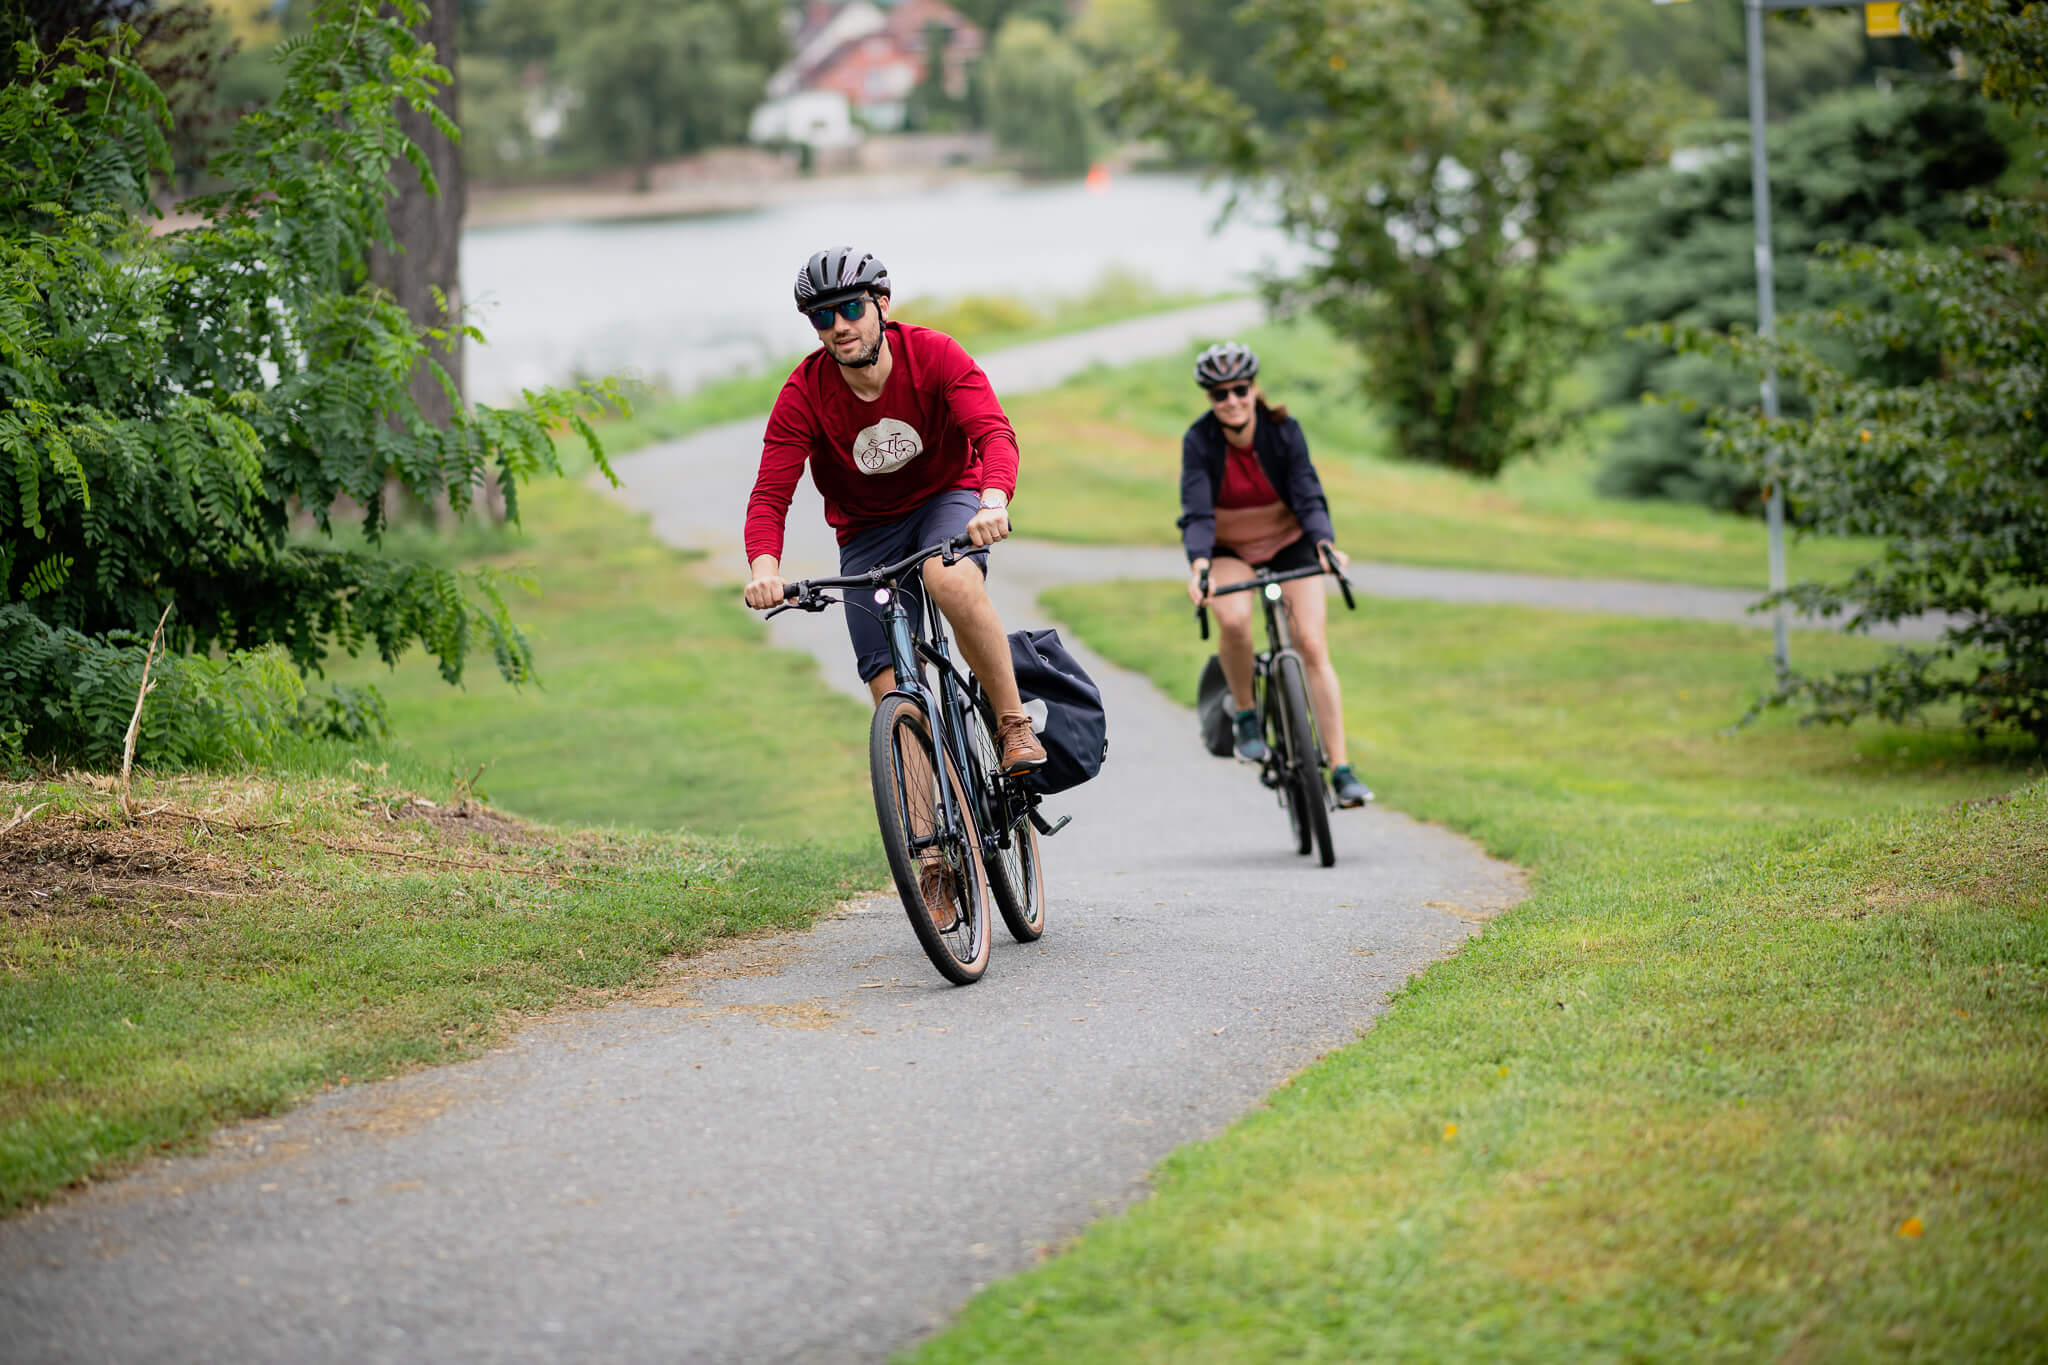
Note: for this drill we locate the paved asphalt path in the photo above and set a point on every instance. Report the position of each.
(804, 1148)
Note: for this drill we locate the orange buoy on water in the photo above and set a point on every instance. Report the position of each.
(1098, 178)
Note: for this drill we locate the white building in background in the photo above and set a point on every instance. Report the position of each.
(873, 55)
(820, 119)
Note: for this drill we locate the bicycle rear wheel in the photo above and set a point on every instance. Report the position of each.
(938, 871)
(1305, 784)
(1015, 875)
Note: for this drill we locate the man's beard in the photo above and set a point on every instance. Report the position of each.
(867, 357)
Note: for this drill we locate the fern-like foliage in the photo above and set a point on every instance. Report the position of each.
(171, 404)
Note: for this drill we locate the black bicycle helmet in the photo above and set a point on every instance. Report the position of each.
(1224, 363)
(837, 274)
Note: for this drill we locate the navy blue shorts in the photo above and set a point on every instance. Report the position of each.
(944, 517)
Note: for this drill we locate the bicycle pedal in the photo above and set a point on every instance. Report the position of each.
(1038, 821)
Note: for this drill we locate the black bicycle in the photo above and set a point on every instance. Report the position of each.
(1296, 765)
(955, 829)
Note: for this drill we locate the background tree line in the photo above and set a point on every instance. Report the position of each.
(1445, 160)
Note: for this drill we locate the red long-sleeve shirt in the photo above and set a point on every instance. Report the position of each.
(936, 426)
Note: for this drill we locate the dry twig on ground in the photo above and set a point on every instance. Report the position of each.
(135, 721)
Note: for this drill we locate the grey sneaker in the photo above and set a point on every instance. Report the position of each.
(1350, 791)
(1251, 745)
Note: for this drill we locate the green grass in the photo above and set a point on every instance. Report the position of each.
(243, 949)
(1777, 992)
(1102, 466)
(657, 706)
(980, 322)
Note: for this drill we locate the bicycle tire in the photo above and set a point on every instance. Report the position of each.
(904, 769)
(1305, 764)
(1280, 774)
(1016, 876)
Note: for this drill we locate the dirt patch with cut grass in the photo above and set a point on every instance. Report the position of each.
(79, 861)
(196, 840)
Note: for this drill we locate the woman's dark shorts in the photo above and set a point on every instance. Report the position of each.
(940, 519)
(1299, 553)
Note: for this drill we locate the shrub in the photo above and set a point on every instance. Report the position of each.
(174, 406)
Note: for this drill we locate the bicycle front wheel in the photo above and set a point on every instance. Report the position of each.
(1305, 787)
(1279, 772)
(936, 862)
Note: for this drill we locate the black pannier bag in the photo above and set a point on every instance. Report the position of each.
(1215, 709)
(1074, 730)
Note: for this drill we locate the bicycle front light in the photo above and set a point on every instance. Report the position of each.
(881, 597)
(1272, 592)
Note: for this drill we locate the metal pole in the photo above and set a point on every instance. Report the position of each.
(1766, 310)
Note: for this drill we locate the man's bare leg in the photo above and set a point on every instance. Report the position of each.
(962, 594)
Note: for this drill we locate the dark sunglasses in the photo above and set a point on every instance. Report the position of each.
(1223, 391)
(851, 310)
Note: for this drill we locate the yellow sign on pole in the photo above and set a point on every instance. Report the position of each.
(1882, 21)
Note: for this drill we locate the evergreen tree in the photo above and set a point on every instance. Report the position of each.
(1861, 167)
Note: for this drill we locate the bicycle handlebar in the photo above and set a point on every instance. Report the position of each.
(804, 594)
(1263, 579)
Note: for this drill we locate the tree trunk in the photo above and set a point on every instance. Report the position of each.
(428, 229)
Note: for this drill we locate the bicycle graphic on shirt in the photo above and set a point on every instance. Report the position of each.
(883, 453)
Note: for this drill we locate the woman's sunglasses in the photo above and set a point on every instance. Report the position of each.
(1223, 391)
(851, 310)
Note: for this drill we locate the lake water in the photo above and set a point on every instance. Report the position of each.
(690, 299)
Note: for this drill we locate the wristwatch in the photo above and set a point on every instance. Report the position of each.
(994, 500)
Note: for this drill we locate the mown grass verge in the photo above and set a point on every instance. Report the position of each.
(253, 939)
(1759, 1070)
(1101, 465)
(657, 705)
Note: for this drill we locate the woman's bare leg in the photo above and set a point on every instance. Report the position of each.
(1234, 627)
(1309, 608)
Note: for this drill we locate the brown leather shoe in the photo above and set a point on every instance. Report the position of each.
(935, 885)
(1022, 753)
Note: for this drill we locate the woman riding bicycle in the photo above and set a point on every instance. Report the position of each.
(1250, 500)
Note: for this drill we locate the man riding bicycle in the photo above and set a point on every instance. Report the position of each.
(1250, 500)
(908, 447)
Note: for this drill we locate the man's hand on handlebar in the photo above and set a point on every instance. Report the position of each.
(990, 525)
(1198, 583)
(1333, 557)
(766, 588)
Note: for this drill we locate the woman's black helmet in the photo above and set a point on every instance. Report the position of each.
(1225, 362)
(837, 274)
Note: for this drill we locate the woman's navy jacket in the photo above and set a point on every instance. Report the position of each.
(1283, 454)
